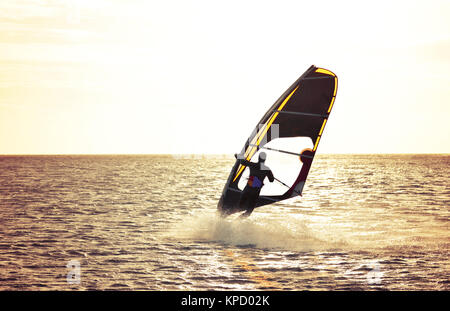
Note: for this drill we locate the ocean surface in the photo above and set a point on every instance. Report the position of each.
(365, 222)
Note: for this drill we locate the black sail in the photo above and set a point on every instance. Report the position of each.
(297, 119)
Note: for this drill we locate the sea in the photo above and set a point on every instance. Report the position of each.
(150, 222)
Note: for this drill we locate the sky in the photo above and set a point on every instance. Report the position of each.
(140, 77)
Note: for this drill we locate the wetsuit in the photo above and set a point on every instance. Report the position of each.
(249, 197)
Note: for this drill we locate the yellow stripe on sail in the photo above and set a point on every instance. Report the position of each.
(263, 133)
(324, 71)
(275, 116)
(335, 86)
(323, 126)
(317, 143)
(327, 72)
(334, 95)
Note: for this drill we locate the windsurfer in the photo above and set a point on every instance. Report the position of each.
(258, 172)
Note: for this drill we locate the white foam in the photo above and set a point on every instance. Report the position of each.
(260, 231)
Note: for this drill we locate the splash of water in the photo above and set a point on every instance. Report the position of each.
(261, 231)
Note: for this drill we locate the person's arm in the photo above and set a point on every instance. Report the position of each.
(243, 161)
(270, 176)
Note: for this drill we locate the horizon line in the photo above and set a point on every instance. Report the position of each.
(204, 154)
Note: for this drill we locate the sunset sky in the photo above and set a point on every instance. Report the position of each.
(110, 76)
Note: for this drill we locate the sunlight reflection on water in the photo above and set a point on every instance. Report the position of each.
(150, 222)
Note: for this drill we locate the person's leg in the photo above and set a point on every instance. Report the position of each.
(252, 198)
(244, 199)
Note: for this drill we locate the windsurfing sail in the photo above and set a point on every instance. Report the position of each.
(289, 133)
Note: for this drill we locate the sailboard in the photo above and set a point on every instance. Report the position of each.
(289, 133)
